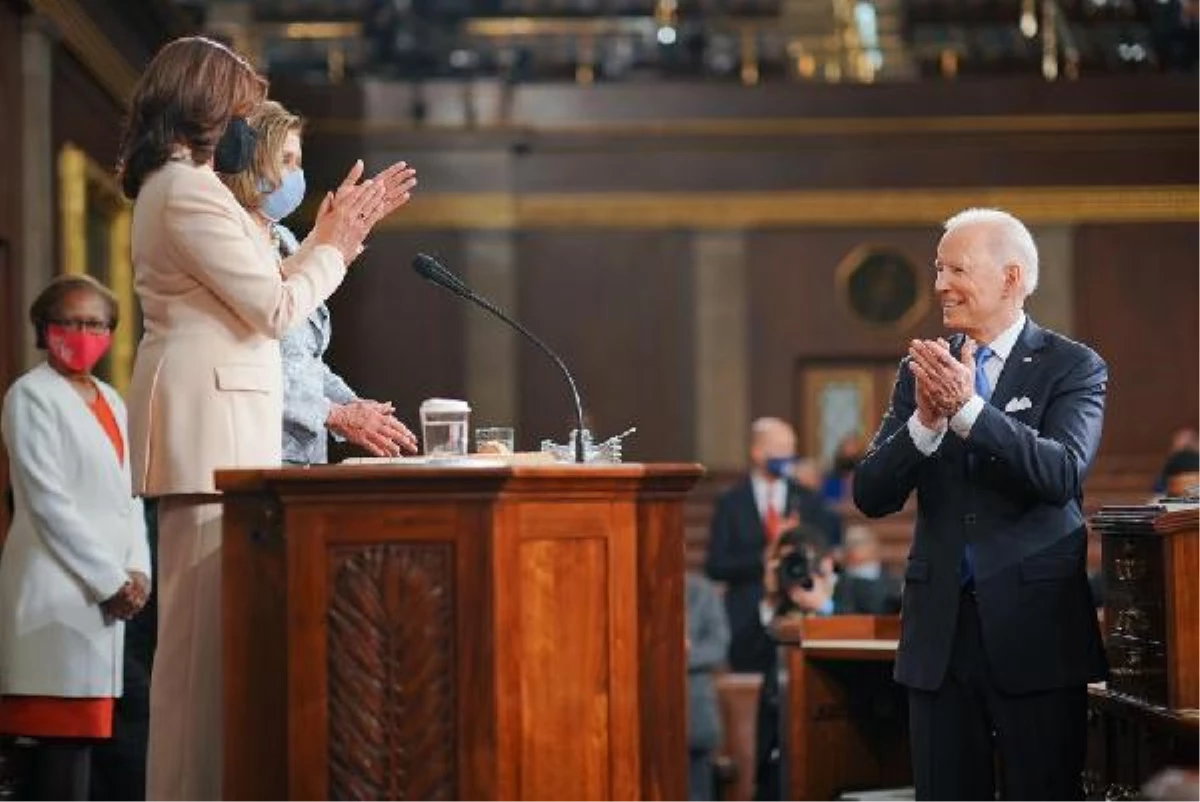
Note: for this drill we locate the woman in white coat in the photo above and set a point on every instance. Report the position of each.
(76, 563)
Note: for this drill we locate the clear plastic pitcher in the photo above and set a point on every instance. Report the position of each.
(445, 423)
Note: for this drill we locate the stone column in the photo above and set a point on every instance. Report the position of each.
(491, 358)
(36, 266)
(721, 349)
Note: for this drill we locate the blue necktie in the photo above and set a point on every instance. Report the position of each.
(983, 389)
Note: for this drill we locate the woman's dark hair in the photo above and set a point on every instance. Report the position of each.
(48, 305)
(186, 96)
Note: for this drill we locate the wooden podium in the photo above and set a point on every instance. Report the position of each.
(409, 632)
(1146, 719)
(844, 721)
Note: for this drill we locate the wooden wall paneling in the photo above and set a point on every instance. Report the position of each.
(797, 313)
(1136, 290)
(84, 114)
(616, 305)
(397, 337)
(948, 159)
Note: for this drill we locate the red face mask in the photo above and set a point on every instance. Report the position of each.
(78, 350)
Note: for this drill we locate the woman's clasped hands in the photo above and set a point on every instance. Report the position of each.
(129, 600)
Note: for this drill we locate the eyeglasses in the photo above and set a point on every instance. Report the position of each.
(91, 326)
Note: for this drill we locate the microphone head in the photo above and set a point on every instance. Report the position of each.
(427, 267)
(431, 269)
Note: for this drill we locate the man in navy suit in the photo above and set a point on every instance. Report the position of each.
(995, 429)
(746, 519)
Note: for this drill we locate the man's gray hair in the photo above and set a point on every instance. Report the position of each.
(1010, 241)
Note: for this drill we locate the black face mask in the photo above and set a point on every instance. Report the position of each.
(235, 148)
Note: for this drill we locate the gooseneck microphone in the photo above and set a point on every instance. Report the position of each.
(431, 270)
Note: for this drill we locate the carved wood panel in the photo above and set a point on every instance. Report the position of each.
(391, 685)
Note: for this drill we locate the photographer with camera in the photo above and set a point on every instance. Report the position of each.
(801, 578)
(798, 579)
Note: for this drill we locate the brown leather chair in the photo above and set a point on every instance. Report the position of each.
(737, 696)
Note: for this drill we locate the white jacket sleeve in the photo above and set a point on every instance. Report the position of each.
(36, 448)
(137, 558)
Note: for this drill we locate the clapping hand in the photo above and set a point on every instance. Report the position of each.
(943, 383)
(398, 182)
(348, 214)
(372, 426)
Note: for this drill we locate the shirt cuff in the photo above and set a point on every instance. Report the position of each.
(965, 418)
(765, 614)
(925, 439)
(826, 608)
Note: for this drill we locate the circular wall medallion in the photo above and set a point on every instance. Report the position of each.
(881, 286)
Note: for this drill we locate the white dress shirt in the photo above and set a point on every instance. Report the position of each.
(926, 439)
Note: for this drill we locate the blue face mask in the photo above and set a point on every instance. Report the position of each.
(781, 467)
(286, 199)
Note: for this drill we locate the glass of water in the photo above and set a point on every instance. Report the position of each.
(494, 440)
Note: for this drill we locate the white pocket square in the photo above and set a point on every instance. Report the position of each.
(1018, 404)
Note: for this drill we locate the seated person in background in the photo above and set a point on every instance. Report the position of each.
(1185, 439)
(800, 579)
(707, 644)
(845, 457)
(747, 519)
(1172, 783)
(864, 585)
(1181, 473)
(315, 399)
(807, 474)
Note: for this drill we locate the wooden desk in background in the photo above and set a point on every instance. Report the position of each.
(844, 720)
(1129, 742)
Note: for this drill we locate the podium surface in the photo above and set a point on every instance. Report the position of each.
(397, 632)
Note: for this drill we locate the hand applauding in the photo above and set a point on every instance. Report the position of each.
(943, 383)
(372, 426)
(347, 216)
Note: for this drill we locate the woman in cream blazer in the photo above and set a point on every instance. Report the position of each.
(207, 383)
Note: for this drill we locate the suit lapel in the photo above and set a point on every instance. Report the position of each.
(1021, 362)
(749, 507)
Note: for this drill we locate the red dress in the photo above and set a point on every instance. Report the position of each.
(57, 716)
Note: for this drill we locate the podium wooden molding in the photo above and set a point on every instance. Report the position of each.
(1152, 604)
(454, 633)
(1144, 719)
